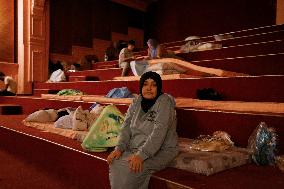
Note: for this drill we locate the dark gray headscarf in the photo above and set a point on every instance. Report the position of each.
(146, 104)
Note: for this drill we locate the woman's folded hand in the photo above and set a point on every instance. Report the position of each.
(113, 155)
(135, 163)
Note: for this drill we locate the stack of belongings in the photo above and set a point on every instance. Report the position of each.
(69, 122)
(194, 43)
(208, 155)
(97, 129)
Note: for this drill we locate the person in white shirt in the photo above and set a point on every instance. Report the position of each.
(125, 56)
(10, 88)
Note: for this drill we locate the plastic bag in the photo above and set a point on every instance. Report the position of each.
(280, 162)
(122, 92)
(104, 132)
(57, 76)
(262, 142)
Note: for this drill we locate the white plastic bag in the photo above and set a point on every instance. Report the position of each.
(57, 76)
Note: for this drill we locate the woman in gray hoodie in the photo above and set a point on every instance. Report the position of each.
(148, 139)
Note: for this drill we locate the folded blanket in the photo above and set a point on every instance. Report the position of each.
(192, 69)
(208, 163)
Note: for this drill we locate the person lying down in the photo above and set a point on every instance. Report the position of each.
(166, 66)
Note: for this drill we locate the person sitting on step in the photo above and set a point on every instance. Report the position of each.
(125, 56)
(148, 139)
(10, 88)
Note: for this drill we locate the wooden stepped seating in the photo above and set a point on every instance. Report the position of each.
(235, 106)
(268, 64)
(254, 46)
(240, 33)
(10, 109)
(71, 174)
(105, 65)
(256, 38)
(192, 122)
(235, 51)
(249, 88)
(94, 75)
(249, 38)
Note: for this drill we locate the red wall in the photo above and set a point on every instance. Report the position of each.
(7, 30)
(169, 20)
(78, 22)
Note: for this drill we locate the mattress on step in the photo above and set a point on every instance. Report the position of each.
(62, 97)
(103, 99)
(208, 163)
(49, 127)
(164, 77)
(236, 106)
(89, 98)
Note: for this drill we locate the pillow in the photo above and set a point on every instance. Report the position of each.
(191, 38)
(53, 114)
(96, 109)
(64, 122)
(80, 119)
(42, 116)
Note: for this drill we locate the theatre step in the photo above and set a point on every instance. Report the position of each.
(10, 109)
(72, 167)
(95, 75)
(269, 47)
(240, 33)
(192, 122)
(250, 88)
(105, 65)
(267, 64)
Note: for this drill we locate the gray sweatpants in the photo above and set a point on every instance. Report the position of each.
(121, 177)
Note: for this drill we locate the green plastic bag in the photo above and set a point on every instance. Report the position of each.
(104, 132)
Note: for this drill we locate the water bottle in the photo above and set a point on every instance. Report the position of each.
(106, 57)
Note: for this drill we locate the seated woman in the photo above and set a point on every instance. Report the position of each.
(148, 139)
(10, 85)
(155, 51)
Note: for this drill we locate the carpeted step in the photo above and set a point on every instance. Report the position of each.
(240, 33)
(192, 122)
(269, 64)
(70, 165)
(10, 109)
(249, 88)
(95, 75)
(255, 38)
(236, 51)
(106, 64)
